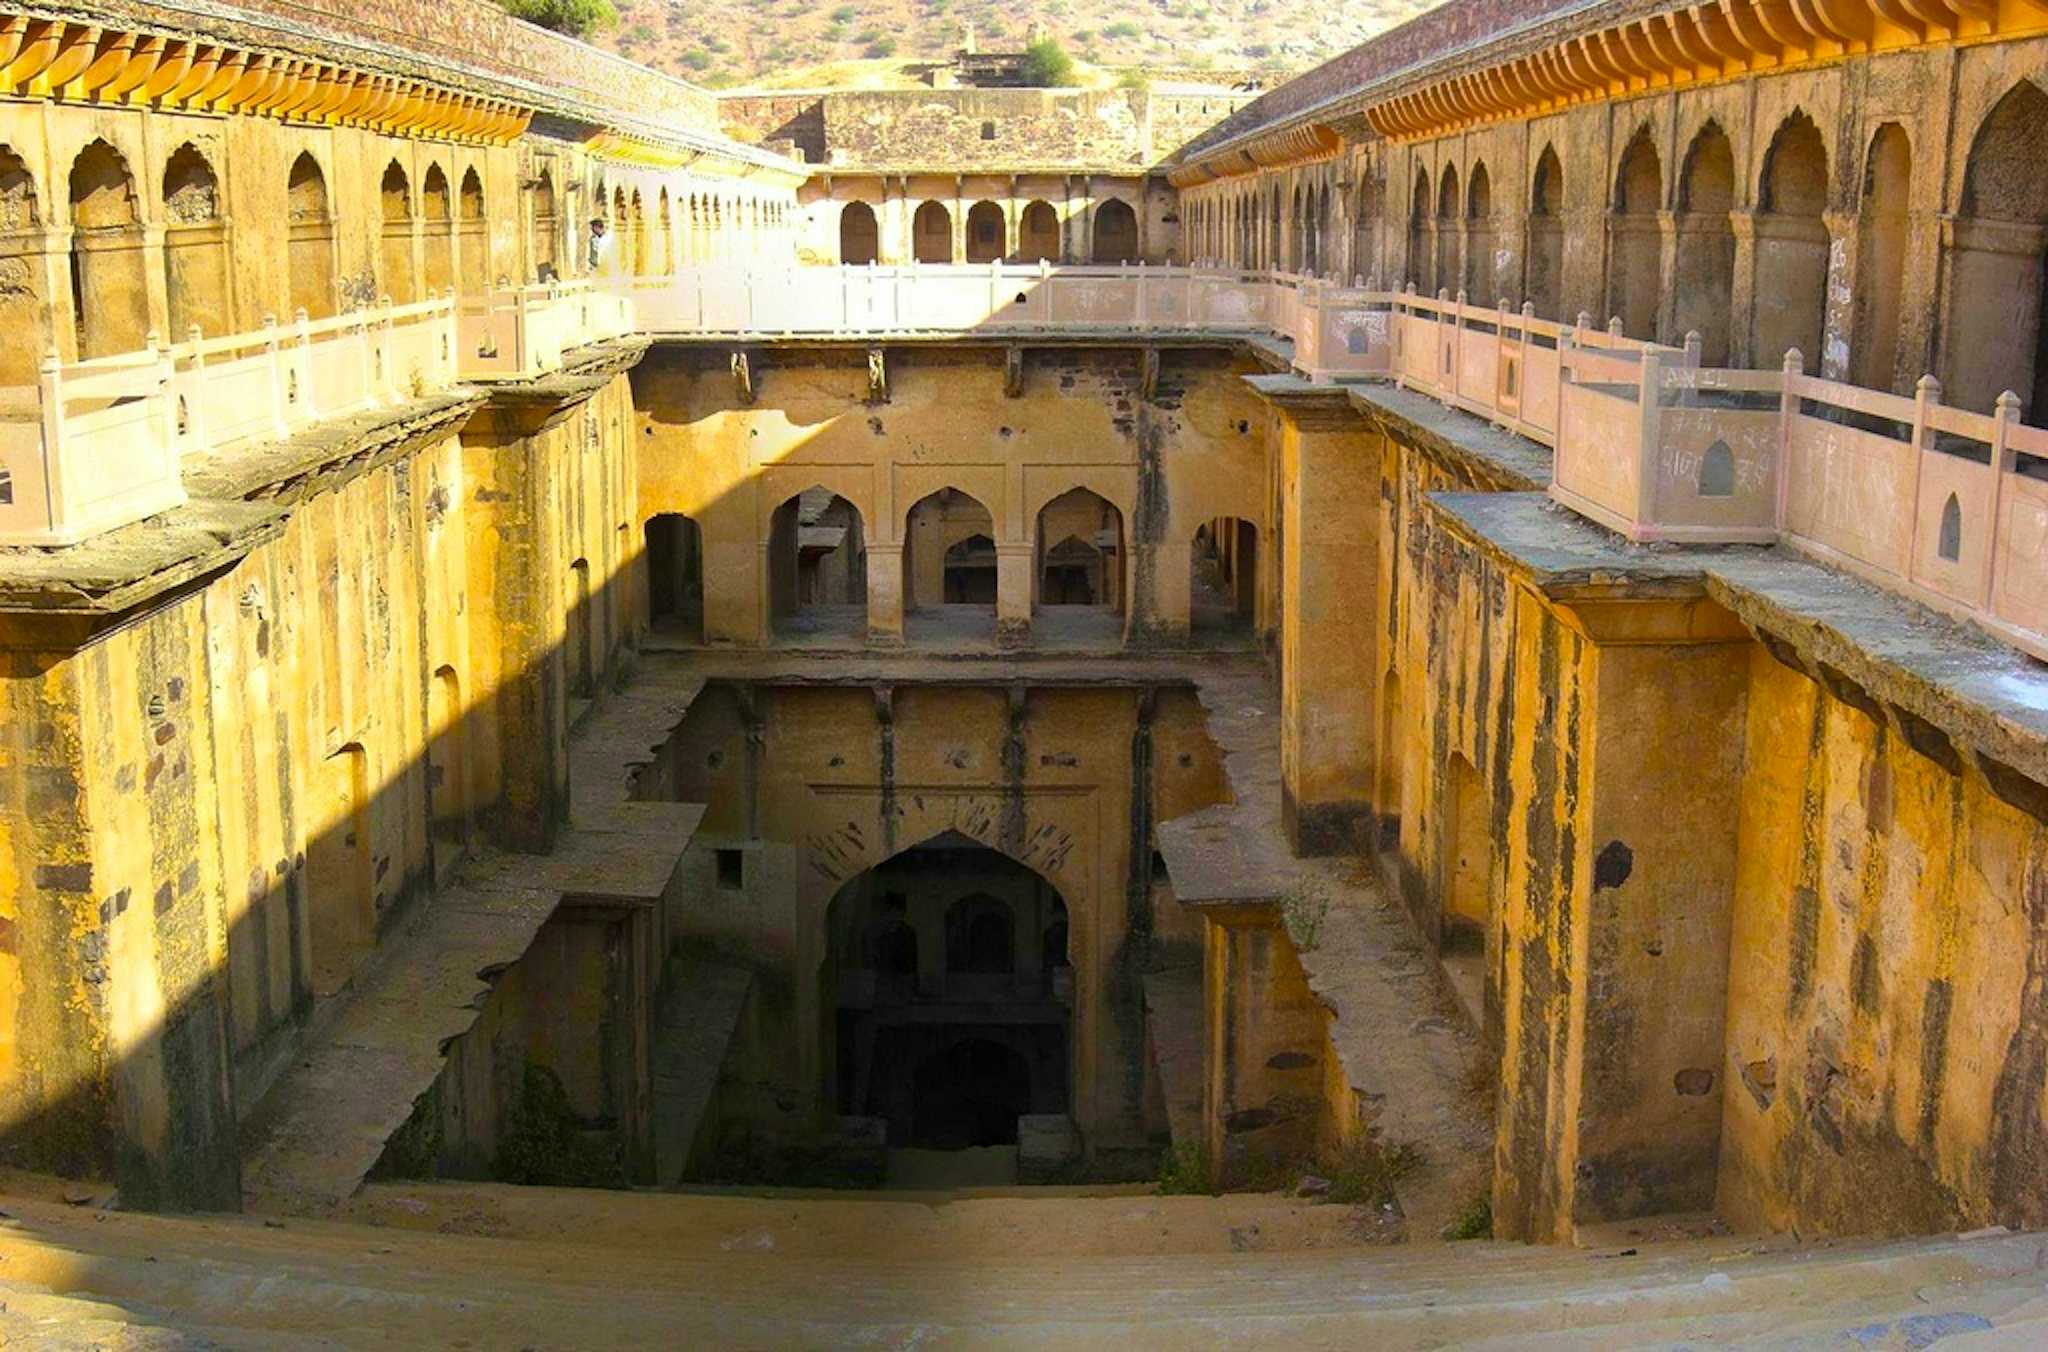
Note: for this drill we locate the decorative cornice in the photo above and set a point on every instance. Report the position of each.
(1574, 58)
(74, 62)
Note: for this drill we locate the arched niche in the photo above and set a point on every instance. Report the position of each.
(109, 286)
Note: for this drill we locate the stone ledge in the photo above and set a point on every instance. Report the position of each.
(1945, 683)
(237, 501)
(1462, 440)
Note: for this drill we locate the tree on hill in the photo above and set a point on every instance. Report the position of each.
(1047, 65)
(577, 18)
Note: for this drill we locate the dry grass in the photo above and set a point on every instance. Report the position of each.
(810, 44)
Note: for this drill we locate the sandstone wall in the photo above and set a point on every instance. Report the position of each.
(1884, 1034)
(833, 782)
(293, 749)
(1194, 451)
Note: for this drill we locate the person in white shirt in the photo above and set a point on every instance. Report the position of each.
(600, 245)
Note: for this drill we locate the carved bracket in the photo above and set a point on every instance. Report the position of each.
(742, 379)
(1013, 372)
(878, 376)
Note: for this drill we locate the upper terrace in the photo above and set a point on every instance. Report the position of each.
(1938, 503)
(1470, 63)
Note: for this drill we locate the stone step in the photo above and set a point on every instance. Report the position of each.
(867, 1278)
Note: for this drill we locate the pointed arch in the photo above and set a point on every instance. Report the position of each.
(1116, 232)
(1635, 278)
(109, 293)
(24, 309)
(860, 236)
(1545, 289)
(1792, 246)
(1089, 571)
(544, 227)
(1705, 282)
(394, 199)
(817, 564)
(987, 233)
(931, 233)
(1038, 234)
(473, 244)
(1365, 228)
(310, 248)
(437, 225)
(1882, 236)
(949, 551)
(1994, 338)
(195, 246)
(1479, 262)
(1420, 260)
(1450, 272)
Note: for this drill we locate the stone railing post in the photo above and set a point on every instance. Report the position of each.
(194, 433)
(2007, 413)
(273, 357)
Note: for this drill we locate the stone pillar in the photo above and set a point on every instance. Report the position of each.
(1014, 569)
(1329, 479)
(1615, 932)
(513, 515)
(1159, 598)
(1839, 322)
(1070, 224)
(885, 592)
(959, 221)
(1263, 1041)
(1668, 228)
(1741, 293)
(1087, 235)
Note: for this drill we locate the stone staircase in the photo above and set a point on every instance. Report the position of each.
(442, 1265)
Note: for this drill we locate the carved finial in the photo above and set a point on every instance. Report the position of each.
(1585, 320)
(2008, 406)
(1528, 309)
(1795, 361)
(1614, 325)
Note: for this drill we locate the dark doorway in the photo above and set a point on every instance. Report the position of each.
(970, 1094)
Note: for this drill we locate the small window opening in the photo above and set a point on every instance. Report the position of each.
(1717, 472)
(1950, 546)
(988, 131)
(6, 488)
(732, 869)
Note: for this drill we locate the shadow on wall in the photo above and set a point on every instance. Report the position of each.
(187, 918)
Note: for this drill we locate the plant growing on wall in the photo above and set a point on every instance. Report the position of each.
(1303, 909)
(1047, 65)
(574, 17)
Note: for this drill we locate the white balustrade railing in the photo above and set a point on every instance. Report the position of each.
(1337, 330)
(97, 444)
(1944, 504)
(518, 333)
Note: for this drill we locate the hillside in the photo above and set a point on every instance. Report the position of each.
(814, 43)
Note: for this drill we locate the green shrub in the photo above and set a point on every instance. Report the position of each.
(1047, 65)
(574, 17)
(1184, 1172)
(1303, 909)
(879, 49)
(1122, 28)
(1474, 1222)
(696, 59)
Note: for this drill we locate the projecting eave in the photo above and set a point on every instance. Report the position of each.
(1025, 169)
